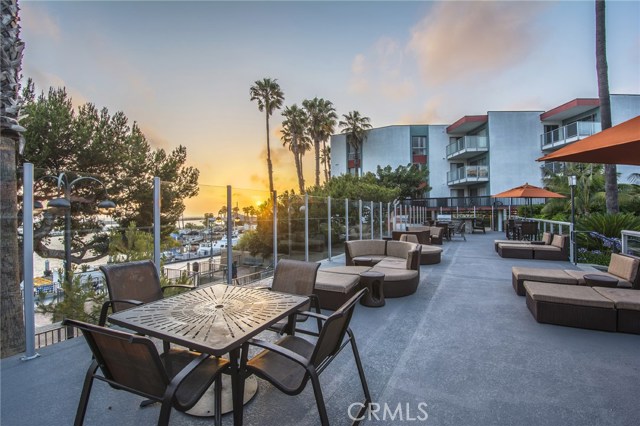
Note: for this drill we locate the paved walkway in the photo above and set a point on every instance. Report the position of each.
(463, 350)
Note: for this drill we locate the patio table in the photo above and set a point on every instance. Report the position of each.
(216, 320)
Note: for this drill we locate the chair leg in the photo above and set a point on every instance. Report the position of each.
(86, 391)
(317, 391)
(218, 398)
(165, 413)
(363, 379)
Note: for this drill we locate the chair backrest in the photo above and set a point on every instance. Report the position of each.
(125, 359)
(529, 228)
(460, 227)
(295, 277)
(132, 281)
(625, 267)
(334, 329)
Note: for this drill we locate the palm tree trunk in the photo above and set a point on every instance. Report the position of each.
(269, 166)
(610, 170)
(326, 161)
(316, 144)
(11, 313)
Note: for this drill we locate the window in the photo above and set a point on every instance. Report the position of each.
(418, 145)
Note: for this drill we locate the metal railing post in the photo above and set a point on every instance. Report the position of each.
(360, 218)
(229, 237)
(156, 222)
(27, 252)
(346, 217)
(371, 218)
(306, 227)
(329, 227)
(275, 229)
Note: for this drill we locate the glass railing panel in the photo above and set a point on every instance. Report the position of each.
(338, 226)
(318, 228)
(353, 222)
(291, 227)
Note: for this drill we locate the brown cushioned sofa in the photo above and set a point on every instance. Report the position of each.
(596, 308)
(557, 250)
(546, 240)
(398, 260)
(624, 268)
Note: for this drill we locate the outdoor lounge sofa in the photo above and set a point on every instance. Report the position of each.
(436, 233)
(546, 240)
(430, 255)
(625, 268)
(398, 260)
(596, 308)
(557, 250)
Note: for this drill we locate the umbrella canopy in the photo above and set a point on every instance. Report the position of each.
(616, 145)
(528, 191)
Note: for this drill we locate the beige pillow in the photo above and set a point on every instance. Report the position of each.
(624, 267)
(558, 241)
(546, 238)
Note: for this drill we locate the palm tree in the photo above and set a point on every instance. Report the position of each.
(294, 134)
(322, 123)
(355, 127)
(12, 339)
(270, 97)
(325, 158)
(610, 172)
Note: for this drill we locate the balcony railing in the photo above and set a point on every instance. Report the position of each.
(467, 146)
(567, 134)
(468, 174)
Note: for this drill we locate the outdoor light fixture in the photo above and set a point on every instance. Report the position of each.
(65, 203)
(572, 184)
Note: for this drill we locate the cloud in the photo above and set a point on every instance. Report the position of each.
(462, 39)
(430, 112)
(35, 20)
(380, 71)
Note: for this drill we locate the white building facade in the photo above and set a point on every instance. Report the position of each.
(480, 155)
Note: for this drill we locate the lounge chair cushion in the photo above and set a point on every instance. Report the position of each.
(557, 276)
(367, 248)
(339, 283)
(399, 249)
(393, 274)
(546, 237)
(623, 298)
(624, 267)
(567, 295)
(393, 262)
(351, 270)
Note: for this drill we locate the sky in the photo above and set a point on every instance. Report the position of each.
(182, 70)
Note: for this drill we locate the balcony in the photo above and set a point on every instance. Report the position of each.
(468, 175)
(467, 147)
(568, 134)
(464, 344)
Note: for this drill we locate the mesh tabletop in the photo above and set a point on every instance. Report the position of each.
(213, 319)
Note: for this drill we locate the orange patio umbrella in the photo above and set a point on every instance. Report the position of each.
(616, 145)
(528, 191)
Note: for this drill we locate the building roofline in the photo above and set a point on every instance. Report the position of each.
(468, 119)
(578, 102)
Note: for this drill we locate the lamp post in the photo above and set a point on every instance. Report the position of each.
(572, 185)
(65, 203)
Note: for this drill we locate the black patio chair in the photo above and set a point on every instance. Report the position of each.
(291, 362)
(132, 284)
(479, 225)
(296, 277)
(177, 378)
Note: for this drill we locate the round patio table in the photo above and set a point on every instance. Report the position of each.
(374, 281)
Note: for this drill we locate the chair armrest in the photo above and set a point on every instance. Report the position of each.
(109, 303)
(287, 353)
(313, 314)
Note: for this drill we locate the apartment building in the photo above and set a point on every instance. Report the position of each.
(483, 154)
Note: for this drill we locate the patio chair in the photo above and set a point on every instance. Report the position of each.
(132, 284)
(129, 362)
(296, 277)
(291, 362)
(479, 225)
(460, 229)
(529, 231)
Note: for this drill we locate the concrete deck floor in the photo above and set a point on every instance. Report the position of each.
(463, 350)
